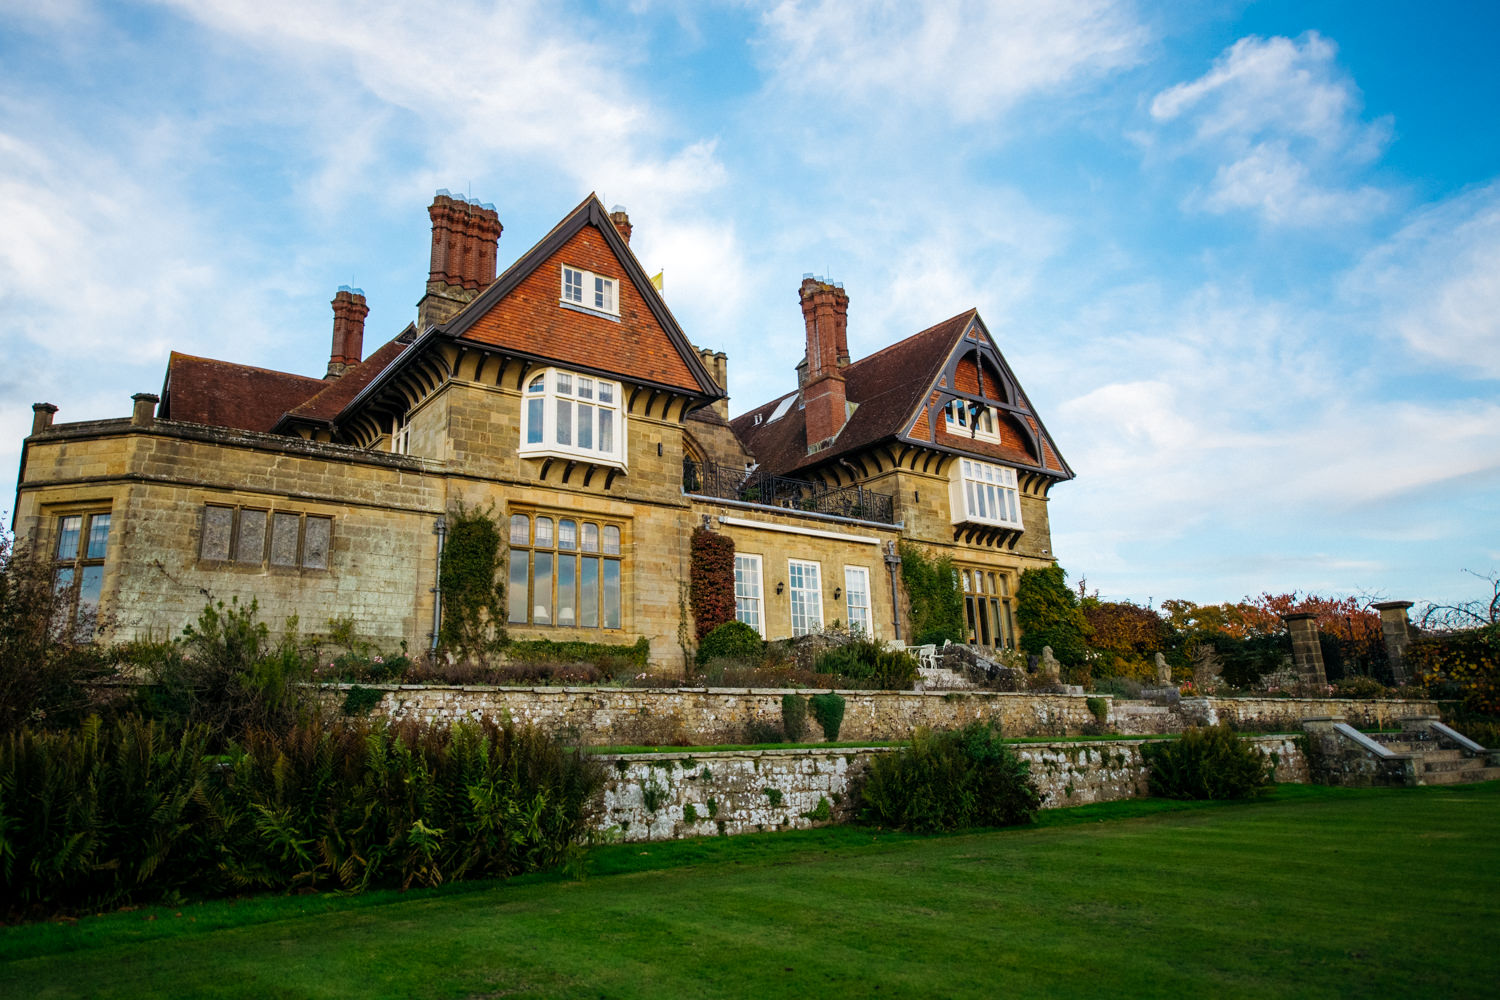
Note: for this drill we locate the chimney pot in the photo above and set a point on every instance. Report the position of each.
(825, 311)
(349, 312)
(41, 416)
(621, 219)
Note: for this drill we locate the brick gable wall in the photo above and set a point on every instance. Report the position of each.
(532, 319)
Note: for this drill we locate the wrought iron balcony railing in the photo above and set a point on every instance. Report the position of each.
(727, 482)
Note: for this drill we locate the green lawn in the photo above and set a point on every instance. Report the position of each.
(1310, 892)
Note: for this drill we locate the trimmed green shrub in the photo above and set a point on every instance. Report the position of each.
(950, 780)
(711, 573)
(731, 640)
(1208, 762)
(869, 664)
(828, 709)
(794, 717)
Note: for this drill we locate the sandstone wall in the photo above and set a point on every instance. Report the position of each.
(669, 796)
(706, 717)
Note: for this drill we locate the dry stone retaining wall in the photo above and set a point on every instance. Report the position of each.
(695, 716)
(668, 796)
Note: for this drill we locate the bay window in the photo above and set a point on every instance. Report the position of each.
(569, 415)
(985, 493)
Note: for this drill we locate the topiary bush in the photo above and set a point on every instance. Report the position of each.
(794, 717)
(712, 581)
(828, 709)
(950, 780)
(1208, 762)
(731, 640)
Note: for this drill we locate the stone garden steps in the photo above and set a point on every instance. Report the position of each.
(1437, 763)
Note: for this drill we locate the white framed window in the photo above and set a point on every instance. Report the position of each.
(569, 415)
(401, 434)
(565, 571)
(987, 608)
(961, 418)
(857, 600)
(806, 582)
(589, 291)
(747, 591)
(985, 493)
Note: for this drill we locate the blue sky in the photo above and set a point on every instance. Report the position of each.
(1245, 258)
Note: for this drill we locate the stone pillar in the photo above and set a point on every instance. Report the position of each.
(1307, 655)
(41, 416)
(1395, 629)
(143, 414)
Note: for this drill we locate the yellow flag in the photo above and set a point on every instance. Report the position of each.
(656, 279)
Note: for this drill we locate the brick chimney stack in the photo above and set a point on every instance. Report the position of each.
(464, 238)
(825, 310)
(621, 219)
(349, 312)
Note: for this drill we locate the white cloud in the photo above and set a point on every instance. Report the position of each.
(1282, 122)
(481, 80)
(972, 58)
(1218, 416)
(1436, 283)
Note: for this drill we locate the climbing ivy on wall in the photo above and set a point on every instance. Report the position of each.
(473, 596)
(712, 574)
(937, 603)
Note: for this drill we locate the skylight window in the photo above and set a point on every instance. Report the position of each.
(781, 408)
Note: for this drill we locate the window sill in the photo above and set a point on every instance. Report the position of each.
(575, 307)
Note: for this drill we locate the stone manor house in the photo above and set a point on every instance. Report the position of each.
(564, 396)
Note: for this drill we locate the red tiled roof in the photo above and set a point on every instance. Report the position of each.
(340, 392)
(890, 388)
(224, 394)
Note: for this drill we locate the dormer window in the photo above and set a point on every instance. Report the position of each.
(570, 415)
(589, 292)
(971, 419)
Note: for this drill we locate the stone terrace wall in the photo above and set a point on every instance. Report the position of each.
(695, 716)
(747, 791)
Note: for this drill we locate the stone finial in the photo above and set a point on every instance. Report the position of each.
(41, 416)
(143, 414)
(1163, 672)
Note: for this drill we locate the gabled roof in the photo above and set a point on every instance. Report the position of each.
(890, 390)
(336, 394)
(224, 394)
(646, 346)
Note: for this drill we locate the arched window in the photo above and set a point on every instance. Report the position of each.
(569, 415)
